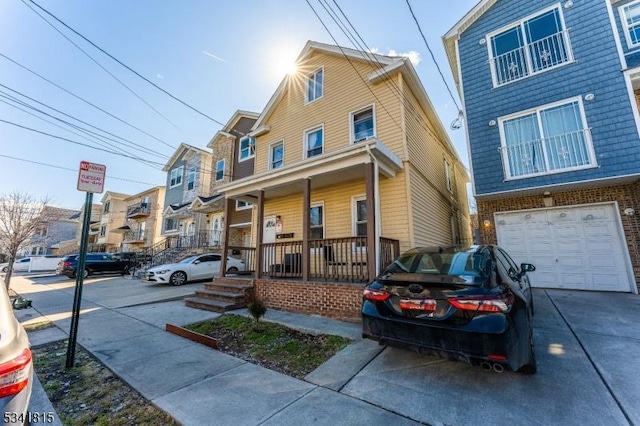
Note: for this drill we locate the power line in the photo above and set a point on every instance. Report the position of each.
(71, 141)
(130, 143)
(73, 170)
(433, 56)
(129, 68)
(100, 65)
(82, 99)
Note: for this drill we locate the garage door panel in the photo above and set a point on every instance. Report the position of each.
(574, 248)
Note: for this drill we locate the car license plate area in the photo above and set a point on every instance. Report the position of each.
(418, 307)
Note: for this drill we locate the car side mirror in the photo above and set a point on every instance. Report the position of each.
(195, 262)
(527, 267)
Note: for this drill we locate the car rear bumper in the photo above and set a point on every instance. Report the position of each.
(465, 343)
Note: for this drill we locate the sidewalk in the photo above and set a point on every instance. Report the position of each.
(198, 385)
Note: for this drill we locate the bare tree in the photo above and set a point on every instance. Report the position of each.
(20, 218)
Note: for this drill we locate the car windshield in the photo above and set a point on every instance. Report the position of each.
(188, 259)
(468, 264)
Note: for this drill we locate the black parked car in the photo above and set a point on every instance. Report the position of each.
(473, 304)
(96, 263)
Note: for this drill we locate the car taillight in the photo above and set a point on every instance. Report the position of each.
(375, 295)
(501, 303)
(14, 374)
(66, 264)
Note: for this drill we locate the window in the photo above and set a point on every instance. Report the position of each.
(107, 205)
(35, 251)
(220, 169)
(448, 175)
(191, 178)
(103, 230)
(314, 144)
(360, 216)
(175, 177)
(316, 222)
(315, 83)
(170, 224)
(630, 17)
(276, 155)
(533, 45)
(243, 205)
(247, 148)
(362, 125)
(549, 139)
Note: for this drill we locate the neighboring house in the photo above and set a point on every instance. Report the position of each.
(352, 166)
(232, 158)
(73, 245)
(550, 95)
(56, 224)
(114, 209)
(141, 227)
(188, 176)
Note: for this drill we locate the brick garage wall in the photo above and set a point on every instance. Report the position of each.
(627, 196)
(340, 301)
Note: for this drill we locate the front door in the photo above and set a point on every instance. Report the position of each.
(269, 236)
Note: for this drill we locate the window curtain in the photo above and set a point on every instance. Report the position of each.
(564, 136)
(524, 147)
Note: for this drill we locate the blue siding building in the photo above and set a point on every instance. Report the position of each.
(549, 94)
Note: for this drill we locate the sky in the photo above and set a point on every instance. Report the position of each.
(216, 56)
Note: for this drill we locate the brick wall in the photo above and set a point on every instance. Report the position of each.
(627, 196)
(340, 301)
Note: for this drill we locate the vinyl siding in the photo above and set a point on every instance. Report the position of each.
(344, 92)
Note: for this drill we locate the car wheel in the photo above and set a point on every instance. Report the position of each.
(125, 270)
(178, 278)
(85, 273)
(531, 367)
(232, 270)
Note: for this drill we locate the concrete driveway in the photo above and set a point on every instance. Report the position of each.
(587, 346)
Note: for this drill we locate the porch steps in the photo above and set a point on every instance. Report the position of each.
(223, 294)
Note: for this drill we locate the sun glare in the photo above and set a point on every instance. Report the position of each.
(283, 62)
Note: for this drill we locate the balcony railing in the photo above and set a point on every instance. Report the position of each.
(200, 239)
(138, 210)
(532, 58)
(135, 236)
(556, 153)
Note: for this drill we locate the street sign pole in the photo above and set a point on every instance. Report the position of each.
(90, 179)
(77, 298)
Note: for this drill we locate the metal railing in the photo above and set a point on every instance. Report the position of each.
(282, 259)
(561, 152)
(246, 254)
(138, 209)
(139, 235)
(532, 58)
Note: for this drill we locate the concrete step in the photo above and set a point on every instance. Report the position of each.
(247, 282)
(223, 296)
(212, 305)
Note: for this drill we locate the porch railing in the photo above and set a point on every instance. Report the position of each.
(329, 259)
(246, 254)
(135, 236)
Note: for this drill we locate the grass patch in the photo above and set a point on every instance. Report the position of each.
(271, 345)
(89, 393)
(38, 325)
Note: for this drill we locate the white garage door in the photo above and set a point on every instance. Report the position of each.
(572, 248)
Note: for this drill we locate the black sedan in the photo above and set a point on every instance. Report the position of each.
(472, 304)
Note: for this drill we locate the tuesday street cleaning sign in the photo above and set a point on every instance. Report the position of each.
(91, 177)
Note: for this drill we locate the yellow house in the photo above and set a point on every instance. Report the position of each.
(352, 167)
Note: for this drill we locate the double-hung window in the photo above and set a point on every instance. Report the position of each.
(448, 175)
(313, 142)
(276, 155)
(103, 230)
(220, 169)
(316, 222)
(533, 45)
(170, 224)
(549, 139)
(243, 205)
(362, 124)
(247, 148)
(315, 85)
(191, 179)
(175, 177)
(630, 18)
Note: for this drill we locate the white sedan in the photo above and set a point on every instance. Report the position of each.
(200, 267)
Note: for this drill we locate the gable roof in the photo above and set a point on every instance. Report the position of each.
(449, 39)
(309, 48)
(179, 151)
(228, 128)
(114, 195)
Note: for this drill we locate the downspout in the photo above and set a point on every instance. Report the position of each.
(376, 189)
